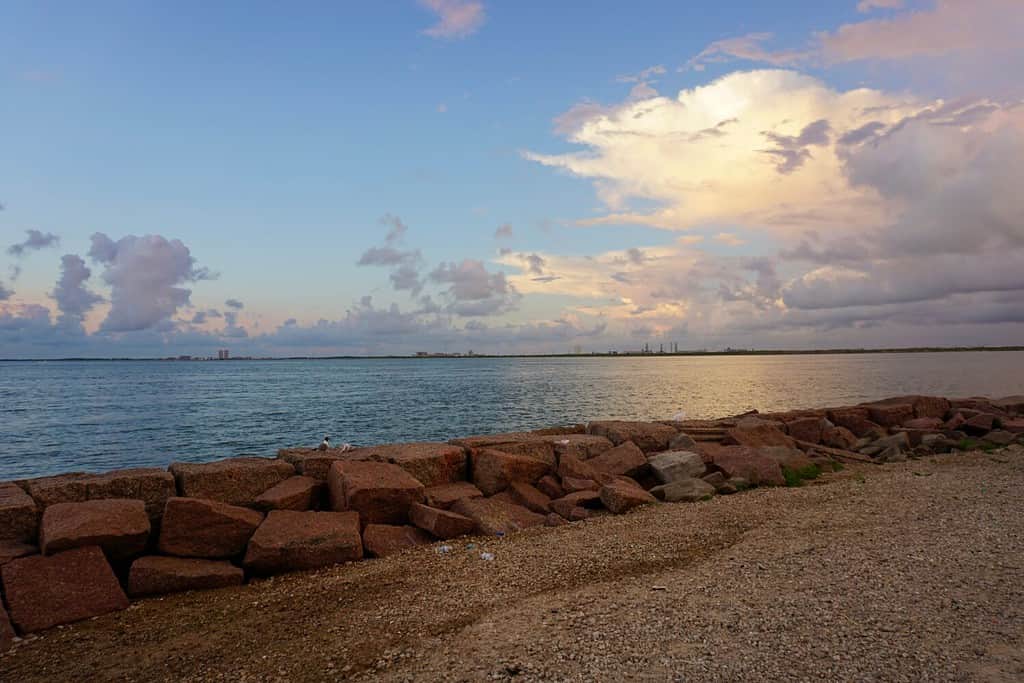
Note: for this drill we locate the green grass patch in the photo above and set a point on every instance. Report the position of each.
(796, 476)
(837, 466)
(975, 445)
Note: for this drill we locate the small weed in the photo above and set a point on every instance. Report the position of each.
(837, 466)
(796, 476)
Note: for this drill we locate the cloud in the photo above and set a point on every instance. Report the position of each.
(660, 151)
(866, 6)
(730, 239)
(73, 298)
(145, 275)
(643, 76)
(35, 241)
(396, 228)
(473, 291)
(456, 18)
(404, 264)
(235, 304)
(749, 47)
(504, 232)
(5, 293)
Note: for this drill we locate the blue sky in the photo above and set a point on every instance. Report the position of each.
(274, 141)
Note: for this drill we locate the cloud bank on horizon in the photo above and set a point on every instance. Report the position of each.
(768, 206)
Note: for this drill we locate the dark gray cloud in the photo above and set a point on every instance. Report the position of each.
(387, 256)
(405, 264)
(534, 263)
(504, 232)
(145, 275)
(473, 291)
(5, 293)
(791, 151)
(35, 241)
(235, 304)
(396, 228)
(73, 298)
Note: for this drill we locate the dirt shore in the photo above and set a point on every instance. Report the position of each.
(905, 572)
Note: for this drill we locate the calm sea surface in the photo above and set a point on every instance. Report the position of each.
(96, 416)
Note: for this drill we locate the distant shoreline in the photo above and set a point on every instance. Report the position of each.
(623, 354)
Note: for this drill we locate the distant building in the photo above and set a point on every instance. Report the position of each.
(223, 354)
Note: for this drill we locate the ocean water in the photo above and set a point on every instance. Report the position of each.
(98, 415)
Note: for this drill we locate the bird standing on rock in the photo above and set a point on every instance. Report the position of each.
(325, 444)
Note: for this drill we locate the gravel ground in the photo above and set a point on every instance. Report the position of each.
(907, 572)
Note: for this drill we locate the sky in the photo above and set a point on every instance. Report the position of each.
(322, 178)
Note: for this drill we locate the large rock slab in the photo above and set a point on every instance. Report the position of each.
(494, 470)
(981, 424)
(570, 467)
(312, 462)
(446, 495)
(566, 505)
(495, 516)
(44, 591)
(854, 419)
(151, 485)
(117, 525)
(1013, 405)
(684, 491)
(805, 429)
(674, 465)
(194, 527)
(440, 523)
(747, 463)
(12, 549)
(156, 575)
(429, 463)
(625, 459)
(648, 436)
(19, 516)
(757, 436)
(891, 415)
(620, 497)
(236, 481)
(7, 633)
(294, 493)
(381, 540)
(922, 406)
(529, 496)
(524, 444)
(380, 492)
(291, 541)
(62, 488)
(838, 437)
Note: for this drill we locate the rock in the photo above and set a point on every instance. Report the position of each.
(289, 540)
(555, 519)
(626, 459)
(674, 465)
(156, 575)
(757, 437)
(194, 527)
(716, 479)
(620, 497)
(493, 516)
(443, 524)
(12, 550)
(62, 488)
(19, 516)
(838, 437)
(1015, 426)
(648, 436)
(549, 486)
(754, 422)
(236, 481)
(429, 463)
(573, 485)
(582, 499)
(788, 458)
(805, 429)
(312, 462)
(119, 526)
(504, 497)
(522, 444)
(682, 442)
(726, 489)
(892, 454)
(955, 422)
(892, 415)
(446, 495)
(294, 493)
(930, 406)
(151, 485)
(380, 492)
(748, 463)
(981, 424)
(938, 443)
(529, 497)
(923, 423)
(494, 470)
(44, 591)
(1013, 405)
(381, 540)
(854, 419)
(684, 491)
(1000, 437)
(7, 634)
(573, 468)
(582, 446)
